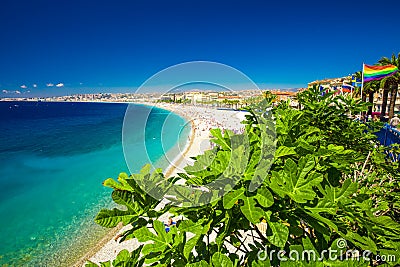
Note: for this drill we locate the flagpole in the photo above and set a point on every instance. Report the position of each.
(362, 87)
(362, 81)
(353, 87)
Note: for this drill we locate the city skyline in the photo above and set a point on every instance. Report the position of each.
(59, 48)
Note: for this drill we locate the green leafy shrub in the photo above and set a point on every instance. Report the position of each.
(330, 181)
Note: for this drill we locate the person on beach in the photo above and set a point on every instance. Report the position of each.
(169, 224)
(395, 121)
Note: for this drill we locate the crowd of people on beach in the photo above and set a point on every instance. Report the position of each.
(204, 119)
(210, 119)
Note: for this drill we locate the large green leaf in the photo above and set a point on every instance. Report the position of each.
(122, 258)
(120, 185)
(161, 240)
(342, 193)
(190, 245)
(202, 162)
(297, 181)
(264, 197)
(315, 213)
(219, 165)
(232, 197)
(265, 160)
(197, 229)
(237, 161)
(250, 211)
(280, 233)
(111, 218)
(363, 242)
(219, 139)
(283, 151)
(125, 198)
(386, 223)
(221, 260)
(125, 258)
(333, 195)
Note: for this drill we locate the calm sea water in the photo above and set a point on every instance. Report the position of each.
(53, 159)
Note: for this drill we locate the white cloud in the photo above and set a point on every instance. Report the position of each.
(12, 92)
(34, 85)
(59, 85)
(24, 86)
(49, 84)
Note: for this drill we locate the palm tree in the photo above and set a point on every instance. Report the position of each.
(268, 96)
(390, 84)
(236, 103)
(371, 88)
(385, 96)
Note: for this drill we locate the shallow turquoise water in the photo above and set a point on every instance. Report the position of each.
(54, 157)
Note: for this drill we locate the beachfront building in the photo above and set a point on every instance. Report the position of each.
(196, 97)
(333, 84)
(232, 99)
(284, 95)
(378, 101)
(235, 99)
(339, 83)
(206, 97)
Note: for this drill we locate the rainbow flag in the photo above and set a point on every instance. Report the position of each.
(374, 73)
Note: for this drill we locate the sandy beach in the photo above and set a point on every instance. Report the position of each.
(202, 119)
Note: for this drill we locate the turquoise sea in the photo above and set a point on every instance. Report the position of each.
(53, 160)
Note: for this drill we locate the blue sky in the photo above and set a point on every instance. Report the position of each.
(114, 46)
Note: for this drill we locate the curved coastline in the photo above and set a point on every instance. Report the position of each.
(202, 120)
(76, 253)
(112, 235)
(169, 171)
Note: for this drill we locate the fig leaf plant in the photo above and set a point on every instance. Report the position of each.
(329, 181)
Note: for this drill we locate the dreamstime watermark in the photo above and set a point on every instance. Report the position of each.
(171, 82)
(340, 253)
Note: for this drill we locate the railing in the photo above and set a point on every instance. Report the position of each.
(388, 135)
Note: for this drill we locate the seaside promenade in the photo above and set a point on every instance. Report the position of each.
(202, 120)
